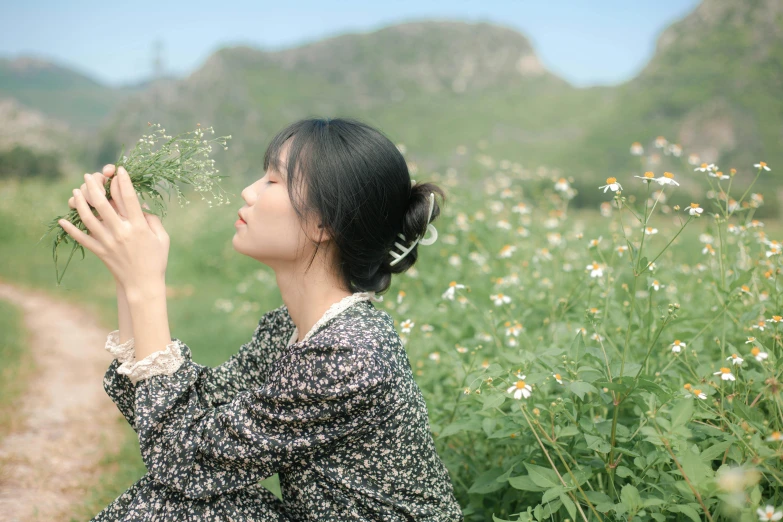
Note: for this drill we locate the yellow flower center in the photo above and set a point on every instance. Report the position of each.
(687, 386)
(595, 266)
(677, 342)
(649, 175)
(694, 205)
(734, 356)
(668, 175)
(704, 165)
(508, 323)
(777, 318)
(763, 164)
(557, 376)
(696, 392)
(775, 435)
(755, 351)
(561, 180)
(611, 181)
(520, 385)
(725, 370)
(453, 283)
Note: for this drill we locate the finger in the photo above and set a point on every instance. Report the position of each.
(105, 210)
(116, 196)
(92, 223)
(155, 224)
(109, 170)
(129, 197)
(80, 237)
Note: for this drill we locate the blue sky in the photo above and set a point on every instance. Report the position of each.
(586, 42)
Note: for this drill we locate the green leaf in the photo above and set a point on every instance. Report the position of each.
(544, 477)
(456, 427)
(624, 472)
(580, 388)
(567, 431)
(715, 450)
(493, 401)
(687, 511)
(697, 471)
(681, 412)
(524, 483)
(551, 494)
(630, 498)
(569, 504)
(597, 443)
(486, 482)
(741, 280)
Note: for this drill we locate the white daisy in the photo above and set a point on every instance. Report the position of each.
(725, 374)
(611, 183)
(761, 165)
(769, 513)
(450, 291)
(735, 359)
(520, 388)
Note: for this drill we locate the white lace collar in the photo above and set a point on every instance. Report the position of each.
(333, 310)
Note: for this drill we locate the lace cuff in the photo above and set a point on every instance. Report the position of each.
(162, 362)
(122, 352)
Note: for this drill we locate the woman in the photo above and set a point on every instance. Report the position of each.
(323, 393)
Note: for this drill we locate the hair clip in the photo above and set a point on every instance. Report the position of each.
(420, 239)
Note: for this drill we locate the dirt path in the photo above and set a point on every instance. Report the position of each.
(48, 464)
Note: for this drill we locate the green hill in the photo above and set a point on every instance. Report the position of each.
(713, 86)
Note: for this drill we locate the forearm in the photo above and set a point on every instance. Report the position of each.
(148, 309)
(124, 315)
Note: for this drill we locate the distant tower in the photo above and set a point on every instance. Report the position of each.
(157, 60)
(157, 72)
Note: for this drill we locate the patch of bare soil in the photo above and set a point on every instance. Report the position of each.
(48, 463)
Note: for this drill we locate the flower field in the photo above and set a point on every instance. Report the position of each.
(621, 363)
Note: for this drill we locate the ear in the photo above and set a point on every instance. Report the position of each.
(317, 232)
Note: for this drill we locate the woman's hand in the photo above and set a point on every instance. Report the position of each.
(132, 244)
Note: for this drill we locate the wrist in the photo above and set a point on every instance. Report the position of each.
(139, 294)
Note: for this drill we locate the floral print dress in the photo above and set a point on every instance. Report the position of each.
(337, 414)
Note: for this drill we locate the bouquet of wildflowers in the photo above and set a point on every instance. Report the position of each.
(153, 168)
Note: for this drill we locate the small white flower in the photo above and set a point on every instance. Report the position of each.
(700, 394)
(667, 179)
(657, 286)
(694, 209)
(735, 359)
(769, 513)
(649, 231)
(611, 183)
(406, 325)
(677, 346)
(761, 165)
(758, 354)
(558, 378)
(520, 388)
(499, 299)
(595, 269)
(451, 290)
(725, 374)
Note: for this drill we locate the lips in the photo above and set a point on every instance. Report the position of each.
(241, 217)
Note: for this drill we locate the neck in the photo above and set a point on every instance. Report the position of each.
(308, 295)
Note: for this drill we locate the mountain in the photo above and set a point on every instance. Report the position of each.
(59, 92)
(714, 85)
(433, 85)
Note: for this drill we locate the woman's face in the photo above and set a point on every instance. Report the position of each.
(272, 232)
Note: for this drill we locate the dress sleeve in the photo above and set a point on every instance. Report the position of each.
(314, 399)
(244, 370)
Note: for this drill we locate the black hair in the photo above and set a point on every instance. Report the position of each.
(359, 188)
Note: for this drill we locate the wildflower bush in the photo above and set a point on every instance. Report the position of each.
(153, 168)
(600, 376)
